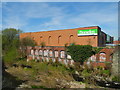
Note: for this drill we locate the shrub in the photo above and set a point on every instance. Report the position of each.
(80, 53)
(96, 49)
(11, 56)
(116, 79)
(107, 72)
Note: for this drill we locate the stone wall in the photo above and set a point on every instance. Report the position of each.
(116, 62)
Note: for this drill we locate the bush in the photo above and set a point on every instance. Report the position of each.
(116, 79)
(107, 72)
(80, 53)
(11, 56)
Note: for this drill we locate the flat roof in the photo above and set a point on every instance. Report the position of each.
(66, 29)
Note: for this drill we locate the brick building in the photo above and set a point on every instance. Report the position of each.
(56, 40)
(82, 36)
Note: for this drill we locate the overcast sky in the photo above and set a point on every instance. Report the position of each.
(39, 16)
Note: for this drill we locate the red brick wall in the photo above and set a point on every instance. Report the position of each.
(65, 36)
(95, 61)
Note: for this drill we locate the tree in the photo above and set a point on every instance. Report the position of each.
(80, 53)
(24, 43)
(10, 44)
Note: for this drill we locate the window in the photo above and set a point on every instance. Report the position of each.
(62, 54)
(102, 57)
(32, 52)
(36, 52)
(49, 39)
(71, 39)
(51, 53)
(41, 38)
(56, 53)
(45, 53)
(59, 39)
(40, 52)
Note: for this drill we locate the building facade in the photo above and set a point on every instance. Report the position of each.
(81, 36)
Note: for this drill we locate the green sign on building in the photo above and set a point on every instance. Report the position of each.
(87, 32)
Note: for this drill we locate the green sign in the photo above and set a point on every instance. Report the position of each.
(87, 32)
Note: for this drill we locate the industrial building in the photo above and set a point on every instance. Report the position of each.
(56, 40)
(81, 36)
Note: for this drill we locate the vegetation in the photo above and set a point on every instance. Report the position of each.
(43, 74)
(80, 53)
(96, 49)
(48, 74)
(42, 44)
(116, 79)
(11, 45)
(24, 43)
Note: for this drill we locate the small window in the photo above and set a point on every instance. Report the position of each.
(40, 52)
(59, 39)
(102, 57)
(32, 52)
(49, 39)
(45, 53)
(62, 54)
(56, 53)
(36, 52)
(71, 39)
(51, 53)
(41, 38)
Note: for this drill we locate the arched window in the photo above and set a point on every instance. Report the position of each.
(45, 53)
(56, 53)
(71, 39)
(59, 39)
(102, 57)
(40, 52)
(41, 38)
(49, 39)
(62, 54)
(36, 52)
(32, 52)
(51, 53)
